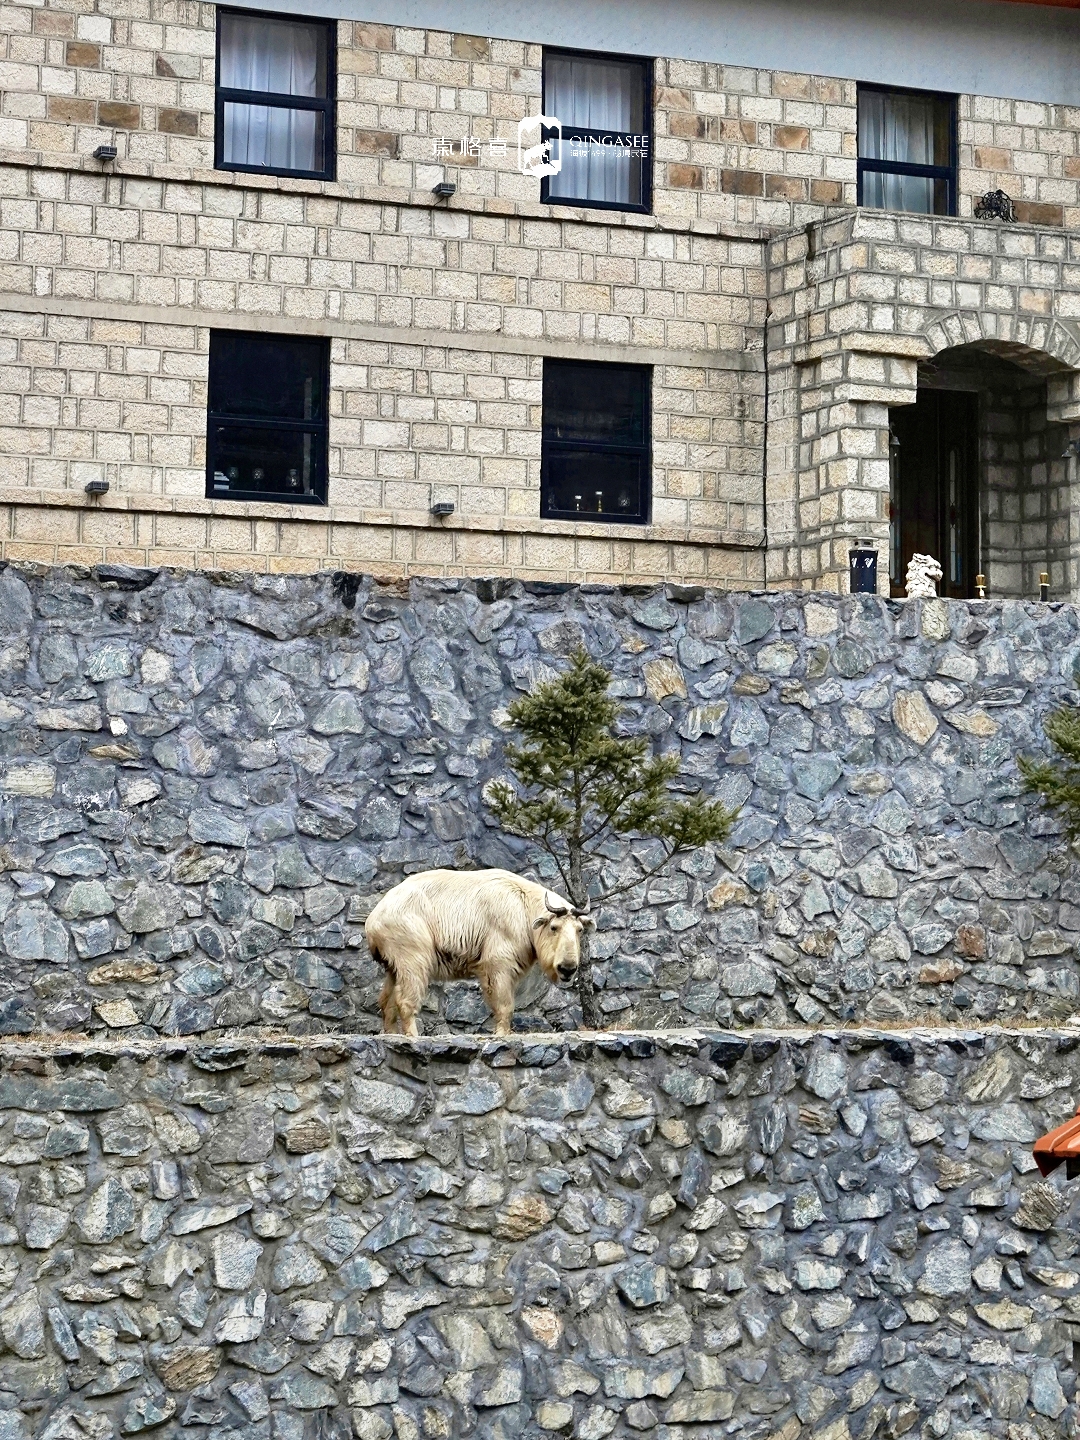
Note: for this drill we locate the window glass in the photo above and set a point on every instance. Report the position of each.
(604, 149)
(919, 193)
(582, 404)
(266, 377)
(273, 138)
(265, 63)
(596, 461)
(266, 427)
(279, 57)
(596, 486)
(599, 94)
(263, 460)
(906, 151)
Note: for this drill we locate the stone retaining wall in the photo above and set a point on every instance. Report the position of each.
(204, 780)
(679, 1235)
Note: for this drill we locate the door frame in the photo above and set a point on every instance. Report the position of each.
(942, 406)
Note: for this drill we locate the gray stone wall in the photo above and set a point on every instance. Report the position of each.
(206, 780)
(689, 1235)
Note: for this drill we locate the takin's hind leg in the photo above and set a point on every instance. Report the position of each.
(498, 990)
(409, 996)
(388, 1004)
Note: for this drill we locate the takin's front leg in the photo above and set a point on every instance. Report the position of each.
(498, 990)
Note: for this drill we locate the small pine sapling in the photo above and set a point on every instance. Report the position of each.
(1057, 781)
(579, 783)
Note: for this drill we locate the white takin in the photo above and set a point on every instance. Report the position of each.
(484, 925)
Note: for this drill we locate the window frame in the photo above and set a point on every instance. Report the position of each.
(228, 95)
(644, 452)
(647, 119)
(320, 429)
(948, 173)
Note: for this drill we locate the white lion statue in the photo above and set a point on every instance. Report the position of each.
(923, 573)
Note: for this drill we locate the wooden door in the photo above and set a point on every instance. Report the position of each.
(934, 500)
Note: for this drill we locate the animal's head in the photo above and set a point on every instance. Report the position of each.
(557, 932)
(924, 565)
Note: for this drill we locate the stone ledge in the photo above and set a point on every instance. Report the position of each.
(606, 1248)
(496, 1050)
(119, 712)
(215, 1053)
(111, 311)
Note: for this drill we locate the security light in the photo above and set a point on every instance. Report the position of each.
(444, 189)
(105, 152)
(96, 487)
(442, 508)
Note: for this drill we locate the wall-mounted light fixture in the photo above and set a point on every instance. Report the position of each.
(444, 189)
(441, 509)
(96, 487)
(1072, 450)
(862, 568)
(105, 152)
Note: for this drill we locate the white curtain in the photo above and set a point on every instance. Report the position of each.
(281, 58)
(596, 95)
(897, 127)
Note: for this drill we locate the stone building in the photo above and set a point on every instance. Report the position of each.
(278, 289)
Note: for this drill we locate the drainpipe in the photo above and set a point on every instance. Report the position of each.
(765, 455)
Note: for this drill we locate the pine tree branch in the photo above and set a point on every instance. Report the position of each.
(646, 877)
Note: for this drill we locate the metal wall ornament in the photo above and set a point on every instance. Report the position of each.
(995, 205)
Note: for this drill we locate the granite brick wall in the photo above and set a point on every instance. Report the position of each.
(1026, 149)
(439, 324)
(740, 144)
(206, 779)
(857, 304)
(679, 1235)
(419, 298)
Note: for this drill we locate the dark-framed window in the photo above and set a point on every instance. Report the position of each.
(907, 150)
(596, 451)
(603, 104)
(274, 107)
(266, 424)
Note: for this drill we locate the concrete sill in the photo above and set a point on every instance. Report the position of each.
(462, 202)
(120, 503)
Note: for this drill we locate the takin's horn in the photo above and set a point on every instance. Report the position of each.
(556, 904)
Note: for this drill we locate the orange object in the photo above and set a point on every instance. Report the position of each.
(1060, 1146)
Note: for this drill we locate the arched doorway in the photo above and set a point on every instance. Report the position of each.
(978, 474)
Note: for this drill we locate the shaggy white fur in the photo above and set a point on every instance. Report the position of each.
(484, 925)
